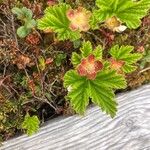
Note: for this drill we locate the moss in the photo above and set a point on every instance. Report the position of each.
(10, 118)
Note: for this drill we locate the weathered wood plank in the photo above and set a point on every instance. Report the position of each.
(129, 130)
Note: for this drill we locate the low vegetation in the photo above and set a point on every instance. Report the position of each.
(57, 56)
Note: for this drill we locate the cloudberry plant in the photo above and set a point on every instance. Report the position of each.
(128, 12)
(116, 15)
(96, 78)
(65, 21)
(56, 20)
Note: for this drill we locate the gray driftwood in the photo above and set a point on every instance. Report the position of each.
(129, 130)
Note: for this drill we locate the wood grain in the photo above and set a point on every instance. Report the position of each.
(129, 130)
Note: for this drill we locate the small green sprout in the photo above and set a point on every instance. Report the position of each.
(26, 16)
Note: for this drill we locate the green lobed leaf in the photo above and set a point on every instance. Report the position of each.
(79, 95)
(79, 98)
(104, 98)
(127, 11)
(98, 52)
(31, 124)
(120, 52)
(86, 48)
(110, 79)
(132, 58)
(100, 90)
(133, 14)
(124, 53)
(72, 79)
(55, 18)
(75, 59)
(94, 20)
(127, 68)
